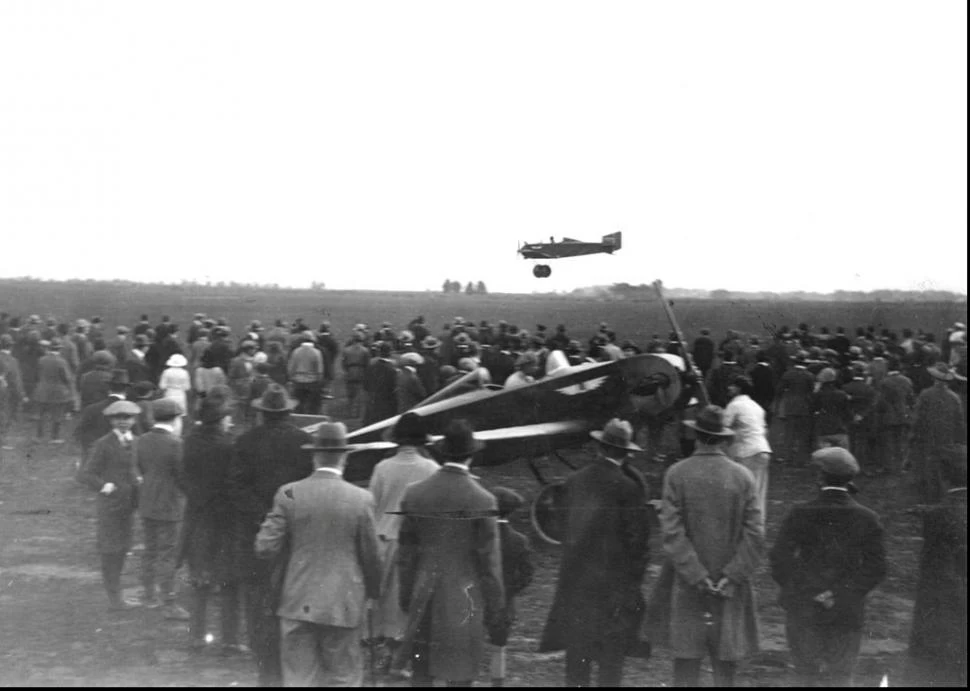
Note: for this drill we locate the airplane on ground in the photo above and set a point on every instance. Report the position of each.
(567, 248)
(555, 412)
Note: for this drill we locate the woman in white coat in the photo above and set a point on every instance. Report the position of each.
(175, 381)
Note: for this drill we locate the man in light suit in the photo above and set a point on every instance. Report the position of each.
(333, 567)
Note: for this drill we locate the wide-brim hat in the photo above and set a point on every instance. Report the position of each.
(274, 400)
(617, 433)
(177, 360)
(330, 436)
(122, 408)
(710, 420)
(458, 441)
(942, 371)
(409, 430)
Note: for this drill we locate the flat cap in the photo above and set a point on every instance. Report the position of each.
(126, 408)
(166, 408)
(834, 460)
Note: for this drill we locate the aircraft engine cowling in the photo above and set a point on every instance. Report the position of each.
(653, 384)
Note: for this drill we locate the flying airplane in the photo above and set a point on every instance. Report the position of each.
(567, 248)
(537, 420)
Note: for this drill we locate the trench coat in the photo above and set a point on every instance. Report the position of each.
(598, 598)
(712, 527)
(450, 571)
(111, 462)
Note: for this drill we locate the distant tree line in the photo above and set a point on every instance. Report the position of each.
(450, 286)
(626, 291)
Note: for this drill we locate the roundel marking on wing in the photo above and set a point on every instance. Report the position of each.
(582, 386)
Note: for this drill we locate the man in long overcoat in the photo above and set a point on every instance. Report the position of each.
(450, 567)
(794, 400)
(380, 382)
(713, 537)
(938, 640)
(828, 555)
(266, 457)
(598, 605)
(893, 411)
(939, 423)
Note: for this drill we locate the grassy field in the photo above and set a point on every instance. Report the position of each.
(630, 319)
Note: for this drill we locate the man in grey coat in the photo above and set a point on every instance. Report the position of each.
(713, 536)
(333, 567)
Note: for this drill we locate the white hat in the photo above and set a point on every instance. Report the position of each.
(177, 360)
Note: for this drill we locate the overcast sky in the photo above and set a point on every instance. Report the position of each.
(772, 145)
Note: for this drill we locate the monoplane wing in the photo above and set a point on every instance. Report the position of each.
(531, 432)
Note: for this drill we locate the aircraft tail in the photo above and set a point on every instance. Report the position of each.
(613, 240)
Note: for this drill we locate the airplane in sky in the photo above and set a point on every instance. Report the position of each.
(568, 247)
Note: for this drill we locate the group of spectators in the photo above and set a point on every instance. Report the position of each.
(154, 419)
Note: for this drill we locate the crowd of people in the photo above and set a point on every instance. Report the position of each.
(193, 436)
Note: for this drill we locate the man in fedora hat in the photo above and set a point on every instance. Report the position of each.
(597, 608)
(390, 478)
(266, 457)
(450, 566)
(333, 566)
(713, 537)
(408, 389)
(110, 471)
(828, 555)
(939, 423)
(161, 502)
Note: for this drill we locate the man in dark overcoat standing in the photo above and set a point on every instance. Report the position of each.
(598, 605)
(828, 555)
(939, 423)
(450, 564)
(266, 457)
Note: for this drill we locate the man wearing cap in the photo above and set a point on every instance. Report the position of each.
(794, 400)
(713, 538)
(598, 605)
(893, 412)
(305, 371)
(333, 567)
(832, 409)
(92, 424)
(354, 359)
(409, 390)
(160, 503)
(450, 566)
(111, 472)
(266, 457)
(828, 555)
(390, 478)
(939, 423)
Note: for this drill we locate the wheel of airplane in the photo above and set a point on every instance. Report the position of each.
(546, 271)
(537, 271)
(547, 515)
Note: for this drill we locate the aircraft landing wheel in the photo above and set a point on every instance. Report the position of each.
(541, 271)
(546, 514)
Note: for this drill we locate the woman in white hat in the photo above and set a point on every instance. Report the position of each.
(175, 380)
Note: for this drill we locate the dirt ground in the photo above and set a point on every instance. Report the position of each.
(56, 630)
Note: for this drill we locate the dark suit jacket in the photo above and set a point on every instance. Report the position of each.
(408, 390)
(763, 379)
(159, 454)
(92, 425)
(380, 381)
(831, 543)
(138, 369)
(703, 352)
(500, 364)
(605, 555)
(894, 400)
(833, 411)
(517, 569)
(94, 387)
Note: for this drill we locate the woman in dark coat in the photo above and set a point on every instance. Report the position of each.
(208, 540)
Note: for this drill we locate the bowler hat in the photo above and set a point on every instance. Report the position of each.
(617, 433)
(103, 358)
(330, 436)
(166, 408)
(710, 420)
(834, 460)
(274, 400)
(409, 430)
(509, 501)
(458, 441)
(122, 409)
